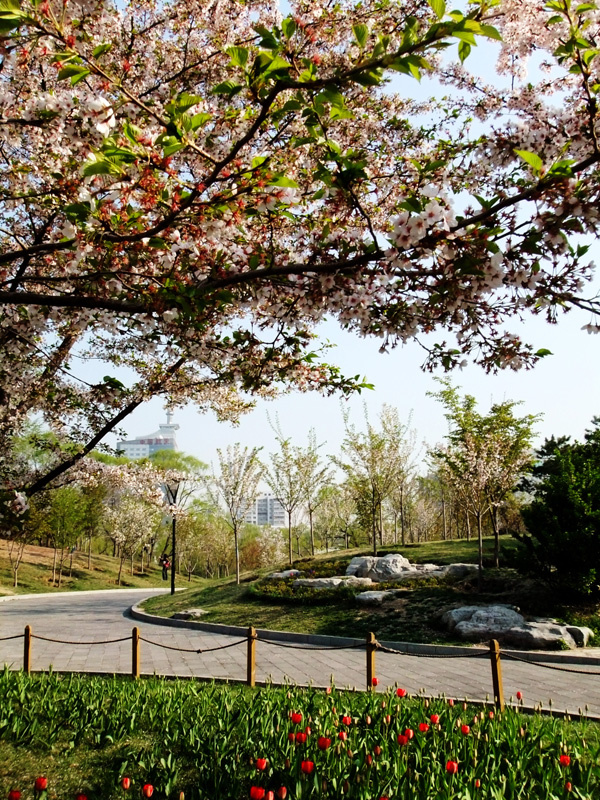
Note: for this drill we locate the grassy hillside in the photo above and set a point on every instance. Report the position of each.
(35, 573)
(408, 617)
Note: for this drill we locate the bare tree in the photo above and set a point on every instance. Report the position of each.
(314, 476)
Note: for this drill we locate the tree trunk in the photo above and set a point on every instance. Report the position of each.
(468, 527)
(54, 568)
(374, 521)
(114, 548)
(395, 528)
(15, 571)
(312, 533)
(132, 563)
(120, 569)
(142, 561)
(480, 546)
(496, 529)
(445, 524)
(89, 551)
(402, 520)
(290, 538)
(71, 566)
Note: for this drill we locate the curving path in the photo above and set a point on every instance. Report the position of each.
(94, 616)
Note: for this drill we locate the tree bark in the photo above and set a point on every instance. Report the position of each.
(237, 554)
(480, 547)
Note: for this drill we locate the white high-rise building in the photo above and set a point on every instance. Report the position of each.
(144, 446)
(267, 510)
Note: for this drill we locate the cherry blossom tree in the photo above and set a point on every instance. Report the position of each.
(314, 477)
(240, 472)
(189, 188)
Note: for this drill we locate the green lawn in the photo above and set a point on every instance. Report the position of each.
(407, 618)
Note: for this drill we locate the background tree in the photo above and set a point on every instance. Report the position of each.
(131, 523)
(484, 455)
(240, 472)
(284, 479)
(563, 520)
(314, 477)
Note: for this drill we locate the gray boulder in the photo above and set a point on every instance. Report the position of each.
(287, 573)
(460, 570)
(352, 580)
(317, 583)
(379, 569)
(372, 598)
(504, 623)
(191, 613)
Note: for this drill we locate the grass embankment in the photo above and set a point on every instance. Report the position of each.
(85, 734)
(408, 617)
(35, 573)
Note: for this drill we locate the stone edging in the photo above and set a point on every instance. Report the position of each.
(410, 648)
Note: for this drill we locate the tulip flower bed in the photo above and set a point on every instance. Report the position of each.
(114, 739)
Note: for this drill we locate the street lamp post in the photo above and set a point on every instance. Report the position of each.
(172, 490)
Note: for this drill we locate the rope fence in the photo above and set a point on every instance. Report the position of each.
(371, 646)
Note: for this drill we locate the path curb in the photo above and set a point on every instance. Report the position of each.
(408, 648)
(6, 597)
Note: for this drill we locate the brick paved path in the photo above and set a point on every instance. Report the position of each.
(85, 617)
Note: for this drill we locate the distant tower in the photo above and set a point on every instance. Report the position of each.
(144, 446)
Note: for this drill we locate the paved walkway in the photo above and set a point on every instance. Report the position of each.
(94, 616)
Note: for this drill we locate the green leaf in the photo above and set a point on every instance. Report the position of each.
(288, 26)
(158, 243)
(543, 352)
(77, 212)
(73, 71)
(371, 77)
(100, 167)
(491, 32)
(268, 38)
(361, 34)
(534, 161)
(101, 49)
(464, 50)
(281, 180)
(229, 88)
(198, 120)
(438, 7)
(76, 78)
(238, 56)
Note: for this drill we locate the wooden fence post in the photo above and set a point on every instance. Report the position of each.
(371, 646)
(251, 661)
(497, 674)
(27, 650)
(135, 653)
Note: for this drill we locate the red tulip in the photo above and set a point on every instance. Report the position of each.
(270, 795)
(126, 782)
(291, 737)
(323, 742)
(261, 763)
(281, 793)
(377, 750)
(375, 681)
(383, 798)
(409, 733)
(423, 727)
(465, 729)
(452, 767)
(519, 695)
(491, 715)
(41, 784)
(307, 767)
(148, 790)
(401, 692)
(568, 786)
(435, 718)
(81, 797)
(14, 794)
(450, 701)
(296, 717)
(328, 690)
(342, 735)
(347, 720)
(477, 783)
(402, 740)
(257, 793)
(369, 759)
(307, 730)
(300, 737)
(388, 719)
(565, 760)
